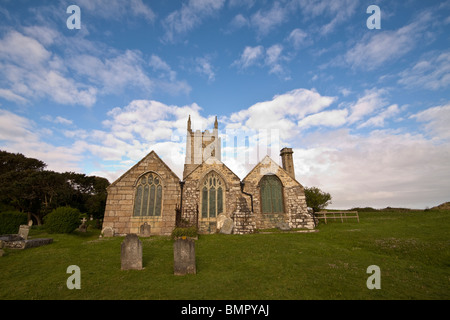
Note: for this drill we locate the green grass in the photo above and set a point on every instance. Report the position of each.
(411, 249)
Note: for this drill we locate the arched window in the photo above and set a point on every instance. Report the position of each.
(212, 196)
(148, 198)
(271, 194)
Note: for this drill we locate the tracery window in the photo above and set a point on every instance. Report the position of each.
(148, 198)
(212, 196)
(271, 194)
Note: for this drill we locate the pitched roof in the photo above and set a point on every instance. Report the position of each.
(151, 154)
(273, 166)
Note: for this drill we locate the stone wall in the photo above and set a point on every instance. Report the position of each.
(191, 194)
(121, 194)
(294, 201)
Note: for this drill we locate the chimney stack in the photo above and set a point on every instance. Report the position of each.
(288, 161)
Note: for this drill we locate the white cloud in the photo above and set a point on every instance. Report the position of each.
(385, 46)
(379, 170)
(432, 73)
(11, 96)
(273, 58)
(333, 118)
(191, 14)
(282, 111)
(238, 22)
(251, 56)
(339, 10)
(258, 56)
(298, 38)
(114, 74)
(31, 70)
(378, 120)
(160, 65)
(19, 134)
(265, 21)
(436, 120)
(371, 101)
(117, 9)
(203, 66)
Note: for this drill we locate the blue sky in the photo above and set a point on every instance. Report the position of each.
(366, 111)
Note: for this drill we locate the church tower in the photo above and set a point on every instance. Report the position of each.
(200, 146)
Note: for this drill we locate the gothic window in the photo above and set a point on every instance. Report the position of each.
(148, 198)
(271, 194)
(212, 196)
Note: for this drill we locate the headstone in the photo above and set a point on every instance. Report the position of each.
(108, 232)
(83, 227)
(283, 226)
(184, 257)
(227, 226)
(220, 219)
(24, 229)
(144, 230)
(30, 223)
(131, 253)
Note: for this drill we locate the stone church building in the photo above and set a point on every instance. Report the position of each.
(209, 194)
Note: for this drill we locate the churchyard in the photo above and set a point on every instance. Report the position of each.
(411, 249)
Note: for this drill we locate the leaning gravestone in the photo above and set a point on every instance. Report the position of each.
(131, 253)
(144, 230)
(227, 226)
(23, 231)
(184, 257)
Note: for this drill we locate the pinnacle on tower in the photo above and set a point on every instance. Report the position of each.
(189, 123)
(216, 125)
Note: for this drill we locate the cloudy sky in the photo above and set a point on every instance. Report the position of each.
(366, 111)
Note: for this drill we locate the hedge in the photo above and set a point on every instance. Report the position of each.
(10, 221)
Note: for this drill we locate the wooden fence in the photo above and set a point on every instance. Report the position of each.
(325, 215)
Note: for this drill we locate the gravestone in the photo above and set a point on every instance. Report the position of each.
(227, 226)
(83, 227)
(24, 229)
(220, 219)
(144, 230)
(184, 257)
(283, 226)
(131, 253)
(108, 232)
(1, 248)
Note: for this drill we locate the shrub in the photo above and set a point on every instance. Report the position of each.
(62, 220)
(184, 232)
(10, 221)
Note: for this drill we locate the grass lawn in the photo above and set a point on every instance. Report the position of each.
(412, 250)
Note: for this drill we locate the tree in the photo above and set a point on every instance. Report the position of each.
(316, 198)
(27, 187)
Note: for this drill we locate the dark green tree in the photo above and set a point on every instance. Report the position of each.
(316, 198)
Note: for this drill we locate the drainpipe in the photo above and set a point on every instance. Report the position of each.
(248, 194)
(181, 203)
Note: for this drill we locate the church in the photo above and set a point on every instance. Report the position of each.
(209, 194)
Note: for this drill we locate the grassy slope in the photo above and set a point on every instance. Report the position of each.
(412, 250)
